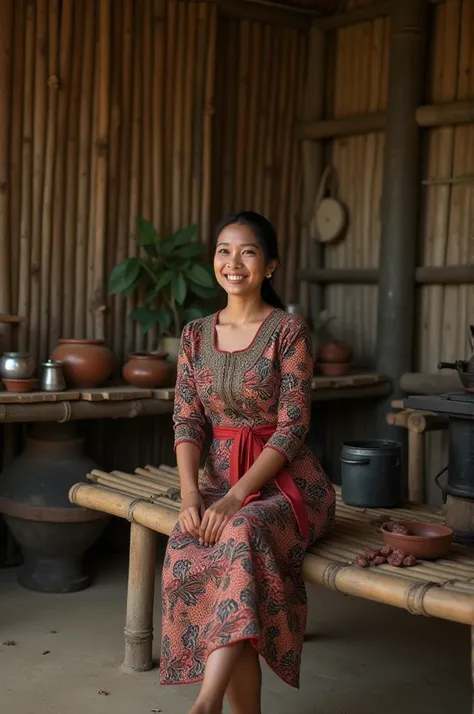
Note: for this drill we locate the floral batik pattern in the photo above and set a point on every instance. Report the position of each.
(249, 585)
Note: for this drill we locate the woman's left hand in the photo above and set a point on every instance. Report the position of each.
(217, 517)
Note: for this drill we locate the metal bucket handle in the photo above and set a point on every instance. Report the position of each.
(441, 488)
(362, 462)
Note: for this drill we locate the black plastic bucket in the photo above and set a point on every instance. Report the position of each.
(371, 474)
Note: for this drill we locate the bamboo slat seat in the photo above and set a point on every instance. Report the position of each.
(149, 499)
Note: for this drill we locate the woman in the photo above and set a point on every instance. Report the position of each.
(232, 585)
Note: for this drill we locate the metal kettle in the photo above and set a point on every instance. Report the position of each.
(52, 377)
(464, 368)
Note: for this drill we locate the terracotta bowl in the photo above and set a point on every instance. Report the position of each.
(427, 542)
(20, 385)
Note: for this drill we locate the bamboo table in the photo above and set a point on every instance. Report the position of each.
(149, 499)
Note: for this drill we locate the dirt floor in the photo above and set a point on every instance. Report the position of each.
(62, 655)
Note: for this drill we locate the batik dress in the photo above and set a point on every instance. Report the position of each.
(248, 586)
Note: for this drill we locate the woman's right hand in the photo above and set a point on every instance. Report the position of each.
(192, 511)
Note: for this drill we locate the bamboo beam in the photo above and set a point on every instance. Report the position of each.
(424, 275)
(76, 410)
(426, 116)
(266, 13)
(353, 17)
(400, 204)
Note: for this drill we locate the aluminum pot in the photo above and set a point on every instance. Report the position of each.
(16, 365)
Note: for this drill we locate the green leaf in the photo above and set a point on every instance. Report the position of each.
(191, 250)
(194, 313)
(124, 275)
(146, 317)
(204, 293)
(200, 276)
(181, 238)
(146, 233)
(134, 285)
(179, 288)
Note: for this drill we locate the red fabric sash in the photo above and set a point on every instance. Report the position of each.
(249, 443)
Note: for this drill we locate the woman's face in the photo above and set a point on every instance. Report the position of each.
(239, 262)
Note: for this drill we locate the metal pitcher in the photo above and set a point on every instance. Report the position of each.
(52, 377)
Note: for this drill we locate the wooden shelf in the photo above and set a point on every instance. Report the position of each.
(11, 319)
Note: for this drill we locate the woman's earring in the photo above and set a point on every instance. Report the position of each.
(269, 275)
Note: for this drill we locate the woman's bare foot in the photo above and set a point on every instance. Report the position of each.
(203, 707)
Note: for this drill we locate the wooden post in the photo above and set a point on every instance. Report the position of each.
(312, 159)
(400, 205)
(141, 590)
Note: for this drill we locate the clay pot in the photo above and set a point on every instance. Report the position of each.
(334, 369)
(335, 351)
(148, 370)
(86, 363)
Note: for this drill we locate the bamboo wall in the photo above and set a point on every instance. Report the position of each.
(358, 73)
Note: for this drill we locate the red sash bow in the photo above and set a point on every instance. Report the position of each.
(249, 443)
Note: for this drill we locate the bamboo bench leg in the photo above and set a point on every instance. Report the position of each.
(140, 596)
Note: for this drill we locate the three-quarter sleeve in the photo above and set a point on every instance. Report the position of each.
(188, 417)
(294, 405)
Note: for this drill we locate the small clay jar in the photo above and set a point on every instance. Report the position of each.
(335, 351)
(86, 363)
(149, 370)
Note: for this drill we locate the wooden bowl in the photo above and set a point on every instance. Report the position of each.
(426, 541)
(20, 385)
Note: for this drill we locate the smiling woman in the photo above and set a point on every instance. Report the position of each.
(232, 585)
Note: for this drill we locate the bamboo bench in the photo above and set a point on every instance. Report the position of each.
(149, 499)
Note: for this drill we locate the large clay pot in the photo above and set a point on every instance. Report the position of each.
(53, 533)
(335, 351)
(86, 363)
(148, 370)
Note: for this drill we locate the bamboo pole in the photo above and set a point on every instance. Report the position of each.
(49, 176)
(169, 90)
(102, 148)
(6, 34)
(189, 67)
(124, 220)
(147, 90)
(26, 176)
(91, 232)
(113, 181)
(178, 120)
(84, 171)
(39, 157)
(199, 98)
(57, 278)
(272, 132)
(140, 594)
(230, 127)
(72, 172)
(158, 108)
(16, 130)
(253, 109)
(135, 170)
(242, 116)
(208, 132)
(264, 114)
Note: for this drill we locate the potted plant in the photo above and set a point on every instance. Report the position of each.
(178, 283)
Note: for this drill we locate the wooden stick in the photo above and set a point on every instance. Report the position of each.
(252, 105)
(6, 35)
(242, 116)
(272, 132)
(230, 127)
(171, 40)
(49, 176)
(264, 113)
(84, 171)
(416, 466)
(72, 172)
(91, 233)
(39, 157)
(124, 220)
(26, 174)
(147, 91)
(140, 595)
(102, 148)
